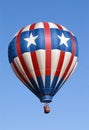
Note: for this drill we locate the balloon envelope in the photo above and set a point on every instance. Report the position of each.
(43, 56)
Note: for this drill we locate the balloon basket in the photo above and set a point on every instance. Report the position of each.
(46, 109)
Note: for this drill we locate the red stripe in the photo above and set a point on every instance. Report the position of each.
(19, 73)
(71, 71)
(48, 48)
(32, 26)
(24, 80)
(34, 57)
(60, 63)
(72, 56)
(59, 26)
(20, 55)
(35, 64)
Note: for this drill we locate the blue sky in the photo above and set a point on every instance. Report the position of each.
(19, 108)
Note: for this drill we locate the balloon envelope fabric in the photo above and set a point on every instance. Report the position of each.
(43, 56)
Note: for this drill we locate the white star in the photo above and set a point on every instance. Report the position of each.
(63, 40)
(31, 40)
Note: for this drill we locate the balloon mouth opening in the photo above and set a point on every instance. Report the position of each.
(46, 99)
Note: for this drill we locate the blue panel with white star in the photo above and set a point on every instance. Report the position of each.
(60, 39)
(57, 36)
(37, 43)
(33, 40)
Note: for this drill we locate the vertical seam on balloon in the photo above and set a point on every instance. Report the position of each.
(23, 79)
(48, 48)
(34, 57)
(22, 60)
(47, 35)
(72, 56)
(36, 65)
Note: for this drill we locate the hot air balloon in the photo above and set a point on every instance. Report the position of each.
(43, 56)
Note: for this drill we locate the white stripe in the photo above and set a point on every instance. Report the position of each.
(41, 62)
(54, 62)
(72, 66)
(71, 33)
(26, 28)
(29, 64)
(65, 64)
(21, 78)
(17, 73)
(65, 29)
(52, 25)
(20, 68)
(15, 35)
(39, 25)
